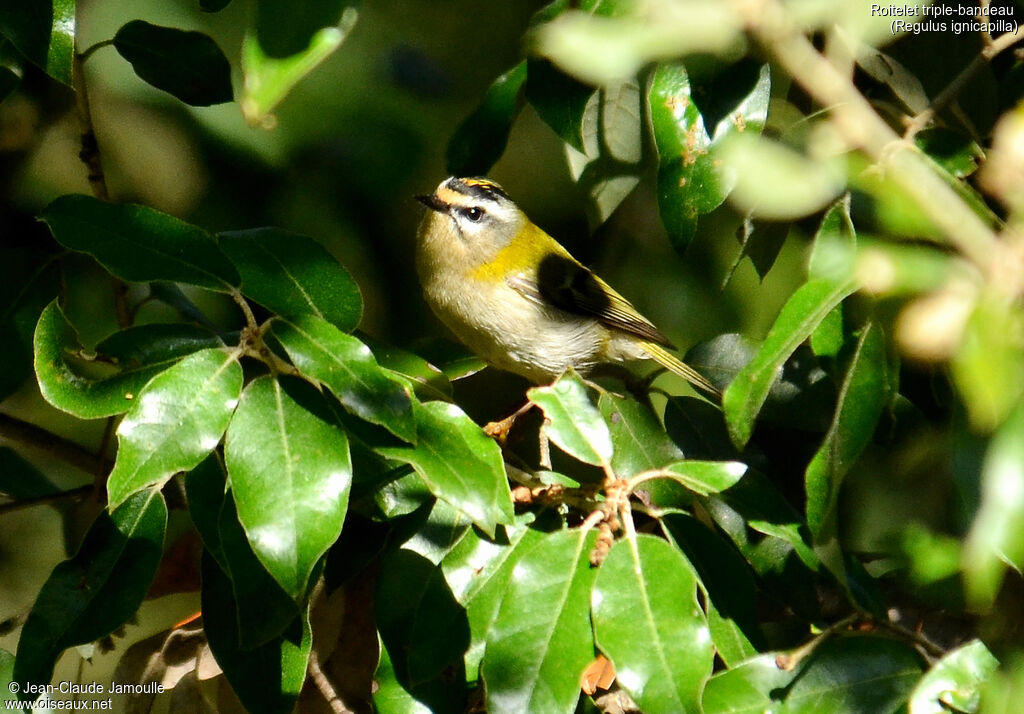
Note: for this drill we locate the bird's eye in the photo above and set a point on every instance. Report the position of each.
(473, 213)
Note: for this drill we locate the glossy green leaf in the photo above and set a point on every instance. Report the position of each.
(862, 398)
(187, 64)
(156, 344)
(98, 589)
(647, 621)
(44, 33)
(419, 620)
(706, 477)
(434, 535)
(480, 140)
(429, 382)
(458, 463)
(478, 570)
(347, 367)
(958, 154)
(268, 77)
(293, 276)
(177, 419)
(263, 619)
(558, 99)
(844, 674)
(391, 697)
(954, 682)
(692, 182)
(988, 367)
(541, 639)
(639, 442)
(996, 538)
(775, 182)
(607, 167)
(205, 490)
(67, 388)
(268, 678)
(799, 317)
(21, 480)
(138, 243)
(573, 423)
(290, 473)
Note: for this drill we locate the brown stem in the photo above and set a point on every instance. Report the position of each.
(45, 500)
(36, 437)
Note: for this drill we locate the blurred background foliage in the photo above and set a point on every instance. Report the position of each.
(341, 157)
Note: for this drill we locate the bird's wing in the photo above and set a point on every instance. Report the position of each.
(562, 282)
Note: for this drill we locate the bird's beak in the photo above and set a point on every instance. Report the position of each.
(433, 203)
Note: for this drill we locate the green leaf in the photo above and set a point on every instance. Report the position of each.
(44, 33)
(177, 419)
(267, 79)
(775, 182)
(601, 49)
(21, 480)
(996, 538)
(156, 344)
(429, 382)
(558, 99)
(97, 590)
(956, 153)
(67, 388)
(988, 367)
(293, 276)
(639, 442)
(139, 244)
(478, 570)
(608, 167)
(419, 620)
(480, 140)
(647, 621)
(286, 28)
(573, 423)
(268, 678)
(799, 317)
(263, 619)
(844, 674)
(862, 398)
(458, 463)
(954, 682)
(706, 477)
(184, 63)
(290, 473)
(347, 367)
(205, 491)
(691, 182)
(541, 639)
(392, 697)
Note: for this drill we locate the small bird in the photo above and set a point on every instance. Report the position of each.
(517, 298)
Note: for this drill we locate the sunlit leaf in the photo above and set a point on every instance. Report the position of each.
(640, 443)
(706, 477)
(574, 424)
(799, 317)
(541, 639)
(290, 474)
(184, 63)
(648, 622)
(98, 589)
(175, 422)
(293, 276)
(954, 682)
(67, 388)
(138, 243)
(458, 463)
(44, 33)
(347, 367)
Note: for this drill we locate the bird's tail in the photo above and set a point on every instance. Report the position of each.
(674, 364)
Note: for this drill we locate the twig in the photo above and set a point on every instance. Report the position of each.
(992, 48)
(36, 437)
(45, 500)
(90, 153)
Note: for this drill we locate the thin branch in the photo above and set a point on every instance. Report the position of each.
(88, 51)
(45, 500)
(38, 438)
(959, 83)
(90, 153)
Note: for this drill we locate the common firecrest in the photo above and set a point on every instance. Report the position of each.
(517, 298)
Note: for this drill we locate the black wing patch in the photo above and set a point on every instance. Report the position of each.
(569, 286)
